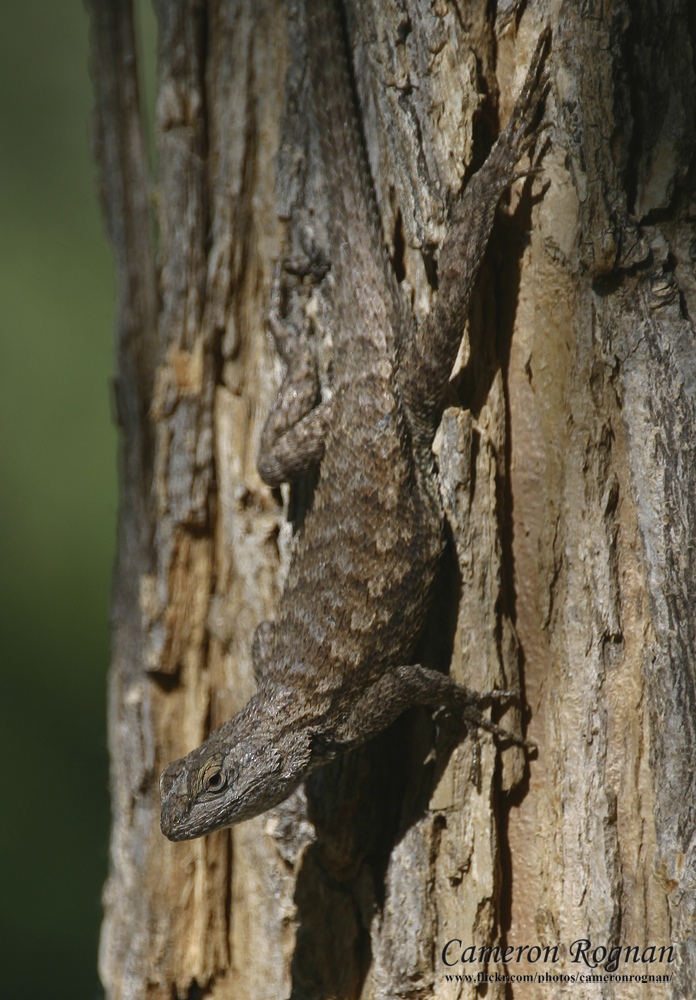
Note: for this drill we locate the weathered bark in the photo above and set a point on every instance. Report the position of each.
(567, 460)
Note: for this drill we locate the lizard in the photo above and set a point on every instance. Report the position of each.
(335, 668)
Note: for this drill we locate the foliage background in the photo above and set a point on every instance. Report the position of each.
(57, 505)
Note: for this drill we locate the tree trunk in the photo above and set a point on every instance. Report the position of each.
(568, 475)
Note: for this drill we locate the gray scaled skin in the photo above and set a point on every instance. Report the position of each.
(334, 669)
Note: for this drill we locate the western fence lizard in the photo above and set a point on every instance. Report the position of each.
(334, 669)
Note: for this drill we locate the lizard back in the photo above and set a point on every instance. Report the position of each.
(356, 594)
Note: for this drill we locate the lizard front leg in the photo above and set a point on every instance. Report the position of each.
(404, 687)
(262, 647)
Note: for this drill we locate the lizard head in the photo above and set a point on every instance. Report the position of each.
(251, 763)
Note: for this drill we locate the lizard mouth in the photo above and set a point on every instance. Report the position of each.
(175, 802)
(173, 831)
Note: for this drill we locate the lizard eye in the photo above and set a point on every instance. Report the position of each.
(215, 781)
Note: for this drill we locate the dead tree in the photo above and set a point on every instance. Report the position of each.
(568, 473)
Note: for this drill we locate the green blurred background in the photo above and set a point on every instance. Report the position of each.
(57, 505)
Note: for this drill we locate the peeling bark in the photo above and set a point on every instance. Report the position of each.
(568, 472)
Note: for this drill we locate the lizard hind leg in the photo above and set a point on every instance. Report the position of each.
(426, 364)
(292, 439)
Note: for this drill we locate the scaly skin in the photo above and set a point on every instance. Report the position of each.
(334, 669)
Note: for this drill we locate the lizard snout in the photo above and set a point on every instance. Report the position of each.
(175, 799)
